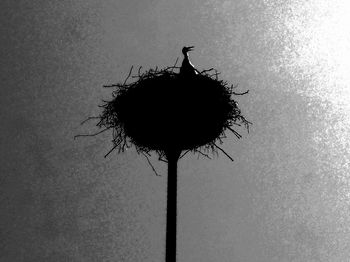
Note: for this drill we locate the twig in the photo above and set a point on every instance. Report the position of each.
(89, 118)
(171, 68)
(116, 145)
(203, 154)
(237, 94)
(235, 132)
(233, 87)
(216, 74)
(223, 151)
(149, 162)
(125, 145)
(113, 85)
(126, 79)
(139, 74)
(240, 94)
(247, 126)
(76, 136)
(177, 59)
(207, 70)
(184, 154)
(161, 159)
(144, 152)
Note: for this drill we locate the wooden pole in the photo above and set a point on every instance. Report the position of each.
(171, 214)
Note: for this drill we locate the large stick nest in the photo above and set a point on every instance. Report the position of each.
(162, 110)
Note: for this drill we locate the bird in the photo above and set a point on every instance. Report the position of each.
(187, 69)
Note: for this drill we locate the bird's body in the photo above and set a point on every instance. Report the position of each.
(187, 69)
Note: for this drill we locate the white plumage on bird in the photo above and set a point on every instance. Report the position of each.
(187, 69)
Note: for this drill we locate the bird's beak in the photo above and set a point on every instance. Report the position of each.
(190, 48)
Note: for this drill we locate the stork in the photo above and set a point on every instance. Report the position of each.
(187, 69)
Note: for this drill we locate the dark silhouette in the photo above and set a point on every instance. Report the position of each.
(172, 114)
(171, 214)
(187, 69)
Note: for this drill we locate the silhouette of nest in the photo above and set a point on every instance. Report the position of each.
(161, 110)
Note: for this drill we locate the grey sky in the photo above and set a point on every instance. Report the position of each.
(286, 196)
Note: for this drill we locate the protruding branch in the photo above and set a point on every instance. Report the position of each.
(126, 79)
(183, 154)
(149, 162)
(139, 71)
(203, 154)
(90, 118)
(114, 147)
(223, 151)
(216, 74)
(240, 94)
(76, 136)
(113, 85)
(160, 158)
(207, 70)
(234, 132)
(174, 66)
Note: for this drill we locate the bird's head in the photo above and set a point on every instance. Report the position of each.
(186, 49)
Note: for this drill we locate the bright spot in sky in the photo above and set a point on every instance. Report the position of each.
(322, 36)
(315, 51)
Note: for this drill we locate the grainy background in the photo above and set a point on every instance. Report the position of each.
(286, 196)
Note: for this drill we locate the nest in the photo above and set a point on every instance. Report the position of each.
(162, 110)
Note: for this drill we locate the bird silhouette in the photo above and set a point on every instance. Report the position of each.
(187, 69)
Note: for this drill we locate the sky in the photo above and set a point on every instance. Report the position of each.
(285, 197)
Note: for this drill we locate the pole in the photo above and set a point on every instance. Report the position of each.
(171, 214)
